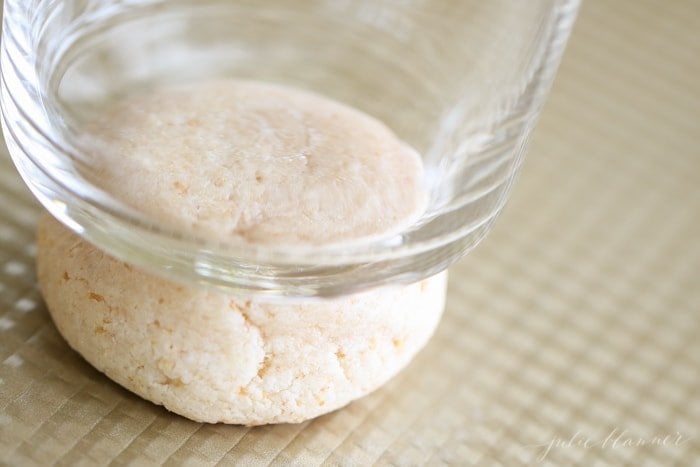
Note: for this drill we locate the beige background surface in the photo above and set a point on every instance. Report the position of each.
(576, 323)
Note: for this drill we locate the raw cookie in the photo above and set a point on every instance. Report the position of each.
(216, 358)
(262, 164)
(257, 162)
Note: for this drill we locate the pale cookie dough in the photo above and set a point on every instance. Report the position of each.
(260, 163)
(217, 358)
(254, 163)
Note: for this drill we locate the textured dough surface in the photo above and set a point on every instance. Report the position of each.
(258, 163)
(217, 358)
(262, 164)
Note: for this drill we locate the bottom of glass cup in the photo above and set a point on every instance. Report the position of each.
(474, 164)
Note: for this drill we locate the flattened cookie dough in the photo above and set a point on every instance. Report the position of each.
(260, 164)
(217, 358)
(257, 163)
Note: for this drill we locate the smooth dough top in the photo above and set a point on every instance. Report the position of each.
(259, 163)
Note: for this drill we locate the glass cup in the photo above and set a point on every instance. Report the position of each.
(461, 81)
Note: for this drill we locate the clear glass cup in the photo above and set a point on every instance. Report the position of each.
(462, 81)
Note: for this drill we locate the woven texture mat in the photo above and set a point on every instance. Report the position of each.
(572, 334)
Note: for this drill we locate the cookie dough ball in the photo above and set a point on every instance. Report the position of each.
(257, 163)
(213, 357)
